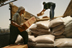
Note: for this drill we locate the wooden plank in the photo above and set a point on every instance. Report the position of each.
(68, 11)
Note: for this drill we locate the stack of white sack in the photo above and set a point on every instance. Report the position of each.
(40, 28)
(44, 41)
(39, 41)
(57, 26)
(68, 26)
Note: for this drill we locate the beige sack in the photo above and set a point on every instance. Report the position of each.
(31, 43)
(60, 36)
(56, 22)
(44, 45)
(19, 39)
(68, 28)
(66, 19)
(69, 34)
(57, 28)
(33, 29)
(43, 24)
(30, 37)
(69, 24)
(59, 32)
(44, 39)
(44, 31)
(38, 33)
(40, 30)
(63, 42)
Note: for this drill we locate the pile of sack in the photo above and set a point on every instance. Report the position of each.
(46, 41)
(45, 37)
(39, 41)
(44, 27)
(40, 28)
(57, 27)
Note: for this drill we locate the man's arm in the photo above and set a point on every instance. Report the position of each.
(41, 13)
(43, 10)
(15, 24)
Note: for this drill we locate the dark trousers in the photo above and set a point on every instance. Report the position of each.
(14, 33)
(52, 11)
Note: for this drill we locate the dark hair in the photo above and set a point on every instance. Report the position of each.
(44, 2)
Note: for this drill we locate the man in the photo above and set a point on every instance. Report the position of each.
(17, 20)
(49, 5)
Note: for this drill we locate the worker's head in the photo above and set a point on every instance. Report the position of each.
(44, 3)
(21, 10)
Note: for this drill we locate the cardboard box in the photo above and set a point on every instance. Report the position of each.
(16, 46)
(27, 24)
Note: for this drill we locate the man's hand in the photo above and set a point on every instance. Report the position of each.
(41, 13)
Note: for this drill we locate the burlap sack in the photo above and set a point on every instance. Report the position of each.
(56, 22)
(31, 44)
(66, 19)
(30, 37)
(33, 29)
(69, 34)
(44, 31)
(66, 32)
(36, 33)
(59, 32)
(44, 45)
(69, 24)
(19, 40)
(68, 28)
(63, 42)
(60, 36)
(39, 26)
(28, 31)
(44, 39)
(40, 30)
(57, 28)
(43, 24)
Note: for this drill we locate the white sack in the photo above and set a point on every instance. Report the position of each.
(57, 28)
(69, 34)
(63, 42)
(19, 39)
(59, 32)
(30, 38)
(38, 33)
(43, 24)
(31, 43)
(40, 30)
(66, 19)
(60, 36)
(44, 39)
(44, 45)
(68, 27)
(69, 24)
(32, 26)
(56, 22)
